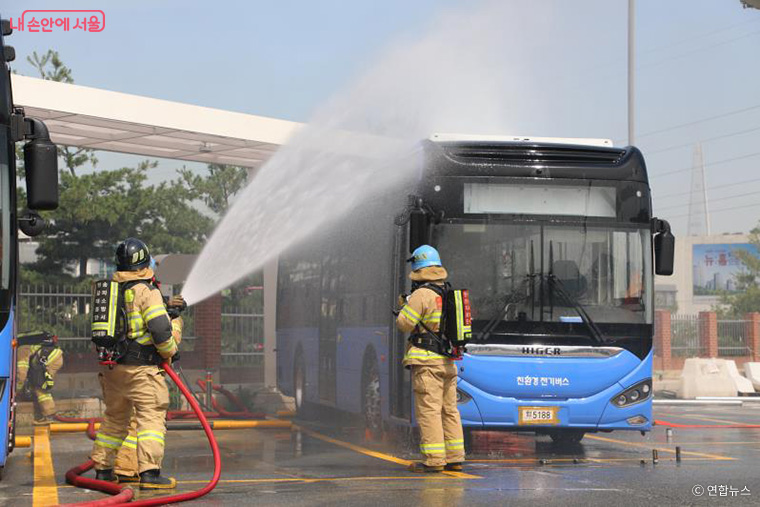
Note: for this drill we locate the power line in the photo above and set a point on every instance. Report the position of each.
(712, 200)
(658, 49)
(684, 145)
(702, 36)
(696, 122)
(697, 50)
(717, 162)
(754, 180)
(722, 209)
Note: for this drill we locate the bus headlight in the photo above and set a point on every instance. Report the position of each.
(635, 394)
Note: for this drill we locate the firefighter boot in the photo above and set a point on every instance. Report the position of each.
(453, 467)
(127, 479)
(421, 468)
(44, 420)
(151, 479)
(106, 475)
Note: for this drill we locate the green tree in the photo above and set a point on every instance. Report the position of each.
(216, 188)
(100, 208)
(747, 298)
(51, 68)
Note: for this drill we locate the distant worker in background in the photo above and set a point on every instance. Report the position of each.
(434, 376)
(126, 466)
(136, 384)
(38, 360)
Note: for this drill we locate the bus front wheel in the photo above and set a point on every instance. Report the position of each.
(567, 437)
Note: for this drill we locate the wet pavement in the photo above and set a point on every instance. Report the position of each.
(316, 464)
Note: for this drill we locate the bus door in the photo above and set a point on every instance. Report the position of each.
(400, 399)
(328, 327)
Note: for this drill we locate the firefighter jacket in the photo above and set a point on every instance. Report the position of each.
(423, 306)
(52, 358)
(149, 323)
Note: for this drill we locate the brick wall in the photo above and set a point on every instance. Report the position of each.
(708, 333)
(208, 328)
(662, 340)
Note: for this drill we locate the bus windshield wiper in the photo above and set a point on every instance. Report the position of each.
(491, 325)
(560, 285)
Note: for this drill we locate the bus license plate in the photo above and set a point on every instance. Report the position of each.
(538, 415)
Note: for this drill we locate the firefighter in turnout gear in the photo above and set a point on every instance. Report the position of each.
(136, 385)
(126, 465)
(38, 360)
(434, 376)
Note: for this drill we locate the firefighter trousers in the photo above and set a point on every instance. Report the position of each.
(435, 406)
(126, 459)
(44, 405)
(129, 389)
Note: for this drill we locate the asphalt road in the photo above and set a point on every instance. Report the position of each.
(316, 464)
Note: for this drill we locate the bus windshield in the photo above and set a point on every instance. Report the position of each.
(549, 277)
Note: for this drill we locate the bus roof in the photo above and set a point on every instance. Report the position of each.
(579, 141)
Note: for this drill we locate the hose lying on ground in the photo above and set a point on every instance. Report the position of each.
(124, 494)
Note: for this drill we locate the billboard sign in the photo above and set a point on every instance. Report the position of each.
(715, 267)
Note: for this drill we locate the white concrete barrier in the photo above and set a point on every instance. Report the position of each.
(706, 377)
(752, 372)
(743, 385)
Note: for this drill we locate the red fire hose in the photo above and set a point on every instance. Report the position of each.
(122, 494)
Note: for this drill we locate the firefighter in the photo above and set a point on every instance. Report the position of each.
(126, 464)
(39, 359)
(434, 376)
(136, 383)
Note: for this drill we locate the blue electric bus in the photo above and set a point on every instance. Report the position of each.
(556, 242)
(41, 171)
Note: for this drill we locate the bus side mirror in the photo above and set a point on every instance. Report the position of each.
(419, 229)
(664, 248)
(31, 223)
(41, 166)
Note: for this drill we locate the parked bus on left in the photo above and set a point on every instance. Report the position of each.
(41, 171)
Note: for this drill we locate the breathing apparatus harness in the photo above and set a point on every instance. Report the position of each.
(455, 328)
(110, 325)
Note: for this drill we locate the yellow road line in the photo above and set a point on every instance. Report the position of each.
(581, 461)
(374, 454)
(327, 479)
(45, 490)
(660, 449)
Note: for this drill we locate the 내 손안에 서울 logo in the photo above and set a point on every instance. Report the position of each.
(47, 21)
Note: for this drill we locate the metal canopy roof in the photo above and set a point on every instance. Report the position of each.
(104, 120)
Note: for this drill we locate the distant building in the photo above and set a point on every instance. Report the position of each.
(705, 269)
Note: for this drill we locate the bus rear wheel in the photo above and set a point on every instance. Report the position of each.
(373, 417)
(567, 437)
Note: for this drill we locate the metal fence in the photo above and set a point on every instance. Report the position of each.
(65, 311)
(61, 310)
(686, 342)
(684, 336)
(242, 337)
(732, 338)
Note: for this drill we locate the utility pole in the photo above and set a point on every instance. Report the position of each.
(631, 63)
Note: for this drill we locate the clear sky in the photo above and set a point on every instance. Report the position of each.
(697, 76)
